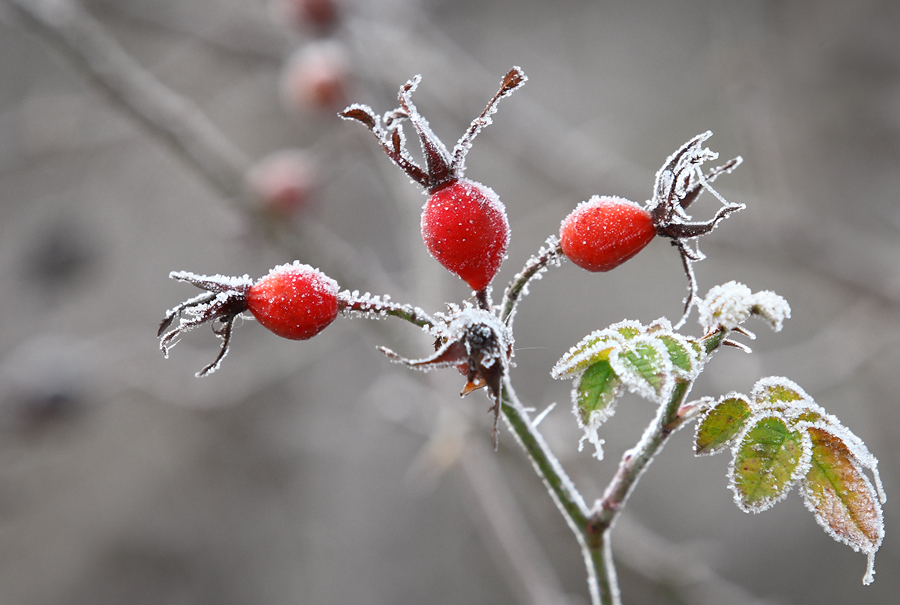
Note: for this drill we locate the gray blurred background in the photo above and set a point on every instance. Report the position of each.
(317, 472)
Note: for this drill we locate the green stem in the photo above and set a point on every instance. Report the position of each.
(635, 461)
(550, 253)
(564, 494)
(376, 307)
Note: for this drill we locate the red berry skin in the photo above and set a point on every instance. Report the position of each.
(294, 301)
(465, 228)
(604, 232)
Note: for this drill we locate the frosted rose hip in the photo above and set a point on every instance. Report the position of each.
(464, 224)
(294, 301)
(604, 232)
(465, 228)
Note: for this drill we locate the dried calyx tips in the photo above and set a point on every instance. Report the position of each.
(294, 301)
(477, 344)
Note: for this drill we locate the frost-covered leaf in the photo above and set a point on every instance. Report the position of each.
(594, 347)
(684, 353)
(721, 424)
(594, 398)
(731, 304)
(595, 392)
(768, 460)
(775, 391)
(728, 305)
(772, 308)
(841, 497)
(643, 365)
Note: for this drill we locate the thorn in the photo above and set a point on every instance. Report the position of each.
(745, 332)
(737, 345)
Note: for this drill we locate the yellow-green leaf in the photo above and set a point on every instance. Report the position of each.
(596, 391)
(775, 390)
(721, 425)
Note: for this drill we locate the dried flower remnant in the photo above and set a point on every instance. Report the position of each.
(477, 344)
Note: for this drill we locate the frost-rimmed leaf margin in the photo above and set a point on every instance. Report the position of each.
(851, 515)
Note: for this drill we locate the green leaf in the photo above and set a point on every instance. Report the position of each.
(643, 365)
(596, 391)
(766, 464)
(840, 495)
(721, 425)
(681, 354)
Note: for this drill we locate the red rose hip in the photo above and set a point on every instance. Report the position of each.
(464, 224)
(604, 232)
(294, 301)
(465, 228)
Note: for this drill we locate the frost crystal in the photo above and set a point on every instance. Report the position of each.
(368, 306)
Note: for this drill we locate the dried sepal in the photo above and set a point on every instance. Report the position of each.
(224, 299)
(475, 342)
(678, 183)
(441, 167)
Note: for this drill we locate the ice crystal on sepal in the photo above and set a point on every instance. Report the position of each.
(475, 342)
